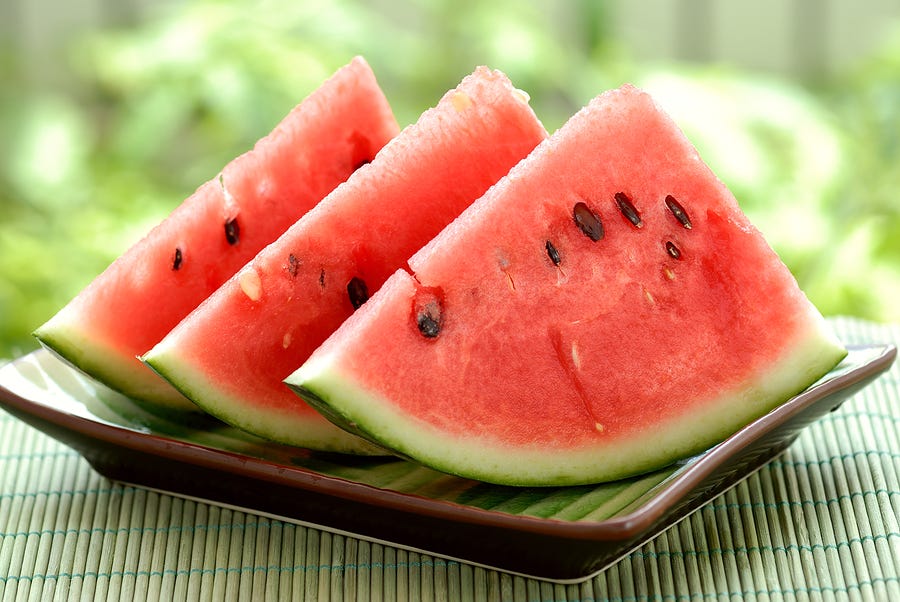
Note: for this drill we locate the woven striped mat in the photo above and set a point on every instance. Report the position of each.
(820, 522)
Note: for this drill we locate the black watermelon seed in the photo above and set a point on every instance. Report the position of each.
(629, 210)
(358, 292)
(428, 326)
(293, 264)
(552, 253)
(672, 250)
(588, 221)
(322, 278)
(232, 231)
(429, 320)
(678, 211)
(176, 263)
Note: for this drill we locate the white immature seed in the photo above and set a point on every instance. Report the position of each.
(461, 101)
(251, 284)
(576, 357)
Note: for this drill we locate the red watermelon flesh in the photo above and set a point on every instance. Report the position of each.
(232, 354)
(604, 310)
(154, 284)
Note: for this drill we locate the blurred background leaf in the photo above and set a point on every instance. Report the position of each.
(106, 126)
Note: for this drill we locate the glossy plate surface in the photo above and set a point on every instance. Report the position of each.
(562, 534)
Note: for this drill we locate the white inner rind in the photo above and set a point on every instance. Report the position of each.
(284, 425)
(657, 445)
(108, 365)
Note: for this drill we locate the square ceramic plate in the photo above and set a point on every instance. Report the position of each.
(563, 534)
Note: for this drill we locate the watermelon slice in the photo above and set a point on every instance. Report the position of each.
(159, 280)
(232, 354)
(604, 310)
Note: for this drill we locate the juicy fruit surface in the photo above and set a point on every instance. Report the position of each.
(152, 286)
(232, 354)
(604, 310)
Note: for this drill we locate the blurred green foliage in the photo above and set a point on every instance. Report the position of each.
(153, 111)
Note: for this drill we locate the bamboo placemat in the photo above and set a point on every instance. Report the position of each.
(820, 522)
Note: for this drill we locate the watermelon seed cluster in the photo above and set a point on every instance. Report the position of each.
(682, 217)
(590, 225)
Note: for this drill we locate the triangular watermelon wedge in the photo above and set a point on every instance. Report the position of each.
(604, 310)
(129, 307)
(231, 355)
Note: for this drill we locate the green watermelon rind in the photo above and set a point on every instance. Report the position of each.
(344, 400)
(300, 428)
(90, 356)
